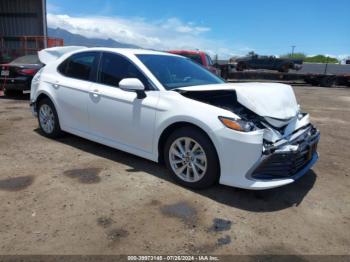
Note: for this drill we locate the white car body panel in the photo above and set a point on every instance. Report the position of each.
(117, 118)
(72, 99)
(133, 127)
(50, 55)
(265, 99)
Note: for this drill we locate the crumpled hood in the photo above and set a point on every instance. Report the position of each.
(265, 99)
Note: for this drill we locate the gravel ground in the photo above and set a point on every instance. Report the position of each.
(73, 196)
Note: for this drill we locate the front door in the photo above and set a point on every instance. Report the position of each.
(118, 116)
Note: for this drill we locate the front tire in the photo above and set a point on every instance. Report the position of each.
(48, 119)
(191, 158)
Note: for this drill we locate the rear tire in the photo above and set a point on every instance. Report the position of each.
(195, 162)
(48, 119)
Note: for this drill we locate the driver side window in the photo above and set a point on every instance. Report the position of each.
(113, 68)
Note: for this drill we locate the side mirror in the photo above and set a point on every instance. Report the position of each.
(133, 84)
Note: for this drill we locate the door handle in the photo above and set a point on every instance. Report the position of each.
(95, 93)
(56, 85)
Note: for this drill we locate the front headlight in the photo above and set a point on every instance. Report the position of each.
(237, 124)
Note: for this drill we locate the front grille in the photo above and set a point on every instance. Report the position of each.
(285, 165)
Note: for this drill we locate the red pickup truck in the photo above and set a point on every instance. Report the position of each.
(199, 57)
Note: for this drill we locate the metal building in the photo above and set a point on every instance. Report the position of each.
(23, 18)
(23, 28)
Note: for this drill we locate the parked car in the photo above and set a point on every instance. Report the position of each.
(347, 62)
(17, 75)
(199, 57)
(164, 107)
(268, 62)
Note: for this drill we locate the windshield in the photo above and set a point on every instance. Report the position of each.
(175, 72)
(28, 59)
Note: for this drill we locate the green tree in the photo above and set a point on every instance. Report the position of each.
(312, 59)
(321, 59)
(294, 56)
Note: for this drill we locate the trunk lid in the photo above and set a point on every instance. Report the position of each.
(14, 70)
(53, 53)
(10, 70)
(265, 99)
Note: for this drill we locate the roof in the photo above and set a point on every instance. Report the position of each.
(129, 51)
(51, 54)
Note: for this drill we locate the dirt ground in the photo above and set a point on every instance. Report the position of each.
(73, 196)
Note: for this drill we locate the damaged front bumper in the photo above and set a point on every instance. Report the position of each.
(288, 158)
(248, 163)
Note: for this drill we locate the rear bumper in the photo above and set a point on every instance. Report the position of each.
(33, 108)
(18, 83)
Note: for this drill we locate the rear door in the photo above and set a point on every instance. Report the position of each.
(72, 90)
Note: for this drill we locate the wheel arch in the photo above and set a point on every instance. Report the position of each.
(42, 95)
(171, 128)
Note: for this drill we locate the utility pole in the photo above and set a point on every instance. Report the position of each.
(44, 12)
(293, 47)
(326, 67)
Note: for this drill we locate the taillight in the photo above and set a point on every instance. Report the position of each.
(29, 72)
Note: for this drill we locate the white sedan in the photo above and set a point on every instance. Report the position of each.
(166, 108)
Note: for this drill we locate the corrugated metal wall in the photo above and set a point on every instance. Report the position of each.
(22, 18)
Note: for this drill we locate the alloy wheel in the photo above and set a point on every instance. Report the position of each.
(188, 159)
(47, 119)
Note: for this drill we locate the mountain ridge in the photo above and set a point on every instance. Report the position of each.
(76, 39)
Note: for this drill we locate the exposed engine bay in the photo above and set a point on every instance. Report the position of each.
(276, 129)
(226, 99)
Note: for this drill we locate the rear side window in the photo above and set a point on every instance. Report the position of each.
(28, 59)
(79, 66)
(113, 68)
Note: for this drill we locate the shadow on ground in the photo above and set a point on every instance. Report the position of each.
(255, 201)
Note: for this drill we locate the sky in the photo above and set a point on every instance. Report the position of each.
(226, 27)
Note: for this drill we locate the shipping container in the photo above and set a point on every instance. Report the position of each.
(23, 28)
